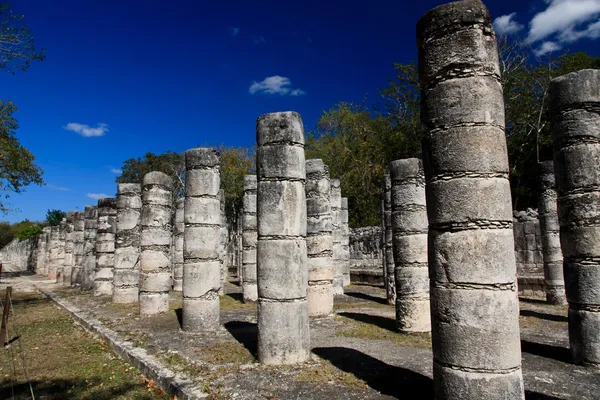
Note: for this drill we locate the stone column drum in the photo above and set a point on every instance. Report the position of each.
(201, 245)
(409, 227)
(474, 305)
(249, 238)
(335, 206)
(283, 330)
(127, 246)
(53, 245)
(60, 250)
(345, 241)
(68, 267)
(155, 243)
(78, 239)
(178, 230)
(42, 260)
(88, 267)
(223, 242)
(575, 110)
(319, 242)
(389, 266)
(548, 217)
(105, 246)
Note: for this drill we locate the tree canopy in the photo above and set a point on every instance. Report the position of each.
(53, 217)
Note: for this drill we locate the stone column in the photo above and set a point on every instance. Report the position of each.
(389, 266)
(474, 305)
(42, 260)
(78, 239)
(155, 243)
(223, 242)
(409, 227)
(249, 238)
(105, 246)
(283, 330)
(575, 108)
(548, 217)
(201, 265)
(382, 237)
(335, 206)
(127, 245)
(88, 267)
(60, 250)
(53, 252)
(319, 242)
(345, 241)
(68, 266)
(178, 230)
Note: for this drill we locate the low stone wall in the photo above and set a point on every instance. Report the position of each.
(528, 243)
(365, 248)
(17, 256)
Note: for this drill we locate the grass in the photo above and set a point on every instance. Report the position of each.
(229, 352)
(233, 301)
(63, 360)
(325, 372)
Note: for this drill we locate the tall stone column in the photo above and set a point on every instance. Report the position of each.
(345, 241)
(474, 305)
(249, 238)
(105, 246)
(53, 245)
(78, 239)
(223, 242)
(382, 237)
(390, 266)
(201, 246)
(575, 108)
(283, 330)
(155, 243)
(127, 245)
(335, 206)
(68, 266)
(548, 217)
(178, 230)
(319, 244)
(409, 227)
(88, 267)
(60, 250)
(42, 260)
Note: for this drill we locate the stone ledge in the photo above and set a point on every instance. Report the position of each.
(147, 364)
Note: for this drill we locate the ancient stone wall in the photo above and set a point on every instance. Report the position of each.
(528, 243)
(365, 248)
(16, 256)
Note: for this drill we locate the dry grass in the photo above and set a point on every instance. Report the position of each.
(325, 372)
(232, 301)
(229, 352)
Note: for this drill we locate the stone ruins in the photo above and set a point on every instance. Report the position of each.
(451, 253)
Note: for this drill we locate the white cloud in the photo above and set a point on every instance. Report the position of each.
(565, 18)
(97, 196)
(233, 31)
(86, 130)
(275, 85)
(506, 25)
(547, 47)
(116, 171)
(59, 188)
(258, 39)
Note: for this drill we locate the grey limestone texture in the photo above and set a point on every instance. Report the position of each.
(78, 239)
(409, 228)
(155, 243)
(365, 248)
(319, 244)
(52, 254)
(178, 229)
(550, 230)
(335, 202)
(575, 108)
(127, 245)
(60, 250)
(88, 266)
(42, 260)
(283, 322)
(388, 266)
(249, 239)
(345, 242)
(224, 238)
(68, 265)
(23, 255)
(474, 305)
(202, 241)
(105, 246)
(528, 243)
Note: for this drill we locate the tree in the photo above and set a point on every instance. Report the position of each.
(54, 217)
(6, 234)
(235, 163)
(17, 47)
(169, 162)
(26, 229)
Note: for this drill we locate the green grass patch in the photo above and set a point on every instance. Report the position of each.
(325, 372)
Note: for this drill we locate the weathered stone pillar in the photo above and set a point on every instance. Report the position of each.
(127, 245)
(389, 266)
(474, 306)
(60, 250)
(78, 239)
(382, 237)
(53, 246)
(409, 228)
(319, 244)
(345, 241)
(283, 330)
(249, 238)
(88, 268)
(201, 267)
(68, 266)
(335, 206)
(105, 246)
(42, 260)
(548, 217)
(178, 230)
(223, 242)
(155, 243)
(575, 109)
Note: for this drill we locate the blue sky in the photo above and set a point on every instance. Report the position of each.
(127, 77)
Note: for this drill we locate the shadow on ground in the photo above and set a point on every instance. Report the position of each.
(377, 320)
(246, 333)
(545, 350)
(368, 297)
(549, 317)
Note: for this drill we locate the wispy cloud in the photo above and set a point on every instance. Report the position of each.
(97, 196)
(116, 171)
(86, 130)
(275, 85)
(233, 31)
(506, 25)
(59, 188)
(547, 47)
(258, 39)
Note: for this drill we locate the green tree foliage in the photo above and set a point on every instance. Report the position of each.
(169, 162)
(235, 163)
(53, 217)
(6, 234)
(26, 229)
(17, 47)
